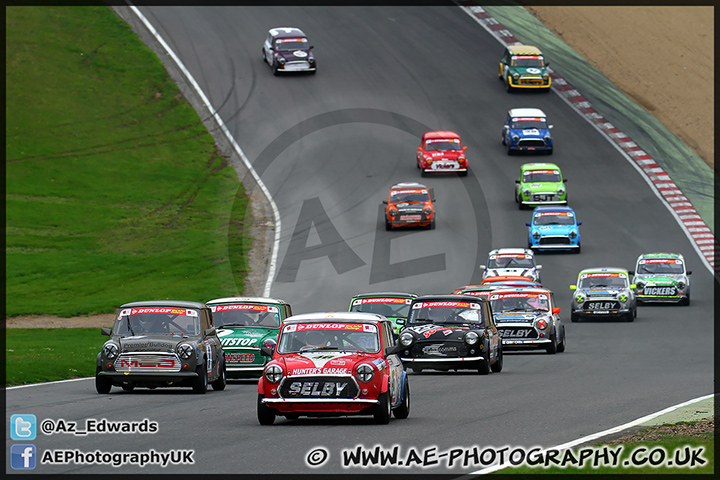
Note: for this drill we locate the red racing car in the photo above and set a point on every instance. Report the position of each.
(441, 152)
(334, 364)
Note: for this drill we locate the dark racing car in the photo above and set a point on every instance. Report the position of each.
(451, 332)
(286, 49)
(161, 343)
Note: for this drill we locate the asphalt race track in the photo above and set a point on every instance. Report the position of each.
(328, 147)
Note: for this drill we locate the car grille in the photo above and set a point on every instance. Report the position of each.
(554, 240)
(536, 142)
(601, 305)
(301, 65)
(319, 386)
(439, 350)
(147, 363)
(518, 332)
(530, 81)
(544, 197)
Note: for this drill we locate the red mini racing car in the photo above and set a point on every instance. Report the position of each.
(409, 205)
(441, 152)
(334, 364)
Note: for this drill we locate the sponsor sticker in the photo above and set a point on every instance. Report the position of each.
(499, 296)
(451, 140)
(286, 40)
(414, 190)
(554, 214)
(328, 326)
(244, 307)
(509, 255)
(604, 274)
(660, 260)
(446, 304)
(159, 310)
(365, 301)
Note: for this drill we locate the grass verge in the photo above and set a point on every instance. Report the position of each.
(115, 191)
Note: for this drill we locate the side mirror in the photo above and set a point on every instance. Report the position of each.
(631, 272)
(528, 224)
(550, 126)
(573, 287)
(517, 181)
(311, 47)
(105, 331)
(547, 64)
(419, 149)
(579, 223)
(538, 267)
(394, 350)
(482, 267)
(564, 180)
(384, 202)
(267, 351)
(465, 147)
(210, 332)
(633, 286)
(689, 272)
(556, 310)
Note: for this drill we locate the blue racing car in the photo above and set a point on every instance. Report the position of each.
(527, 130)
(554, 228)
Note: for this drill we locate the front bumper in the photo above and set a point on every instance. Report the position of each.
(151, 378)
(529, 82)
(558, 246)
(296, 67)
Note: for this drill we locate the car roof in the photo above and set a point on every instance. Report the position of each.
(523, 290)
(441, 134)
(661, 255)
(538, 166)
(448, 298)
(338, 317)
(527, 112)
(217, 301)
(164, 303)
(556, 208)
(286, 32)
(524, 50)
(505, 278)
(504, 250)
(603, 270)
(402, 185)
(385, 294)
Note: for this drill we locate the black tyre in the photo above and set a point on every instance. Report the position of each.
(574, 317)
(484, 364)
(685, 301)
(463, 174)
(509, 150)
(577, 250)
(382, 409)
(200, 383)
(629, 317)
(221, 381)
(551, 348)
(423, 173)
(275, 68)
(508, 87)
(403, 410)
(549, 151)
(388, 226)
(265, 415)
(432, 225)
(264, 57)
(498, 365)
(561, 346)
(102, 384)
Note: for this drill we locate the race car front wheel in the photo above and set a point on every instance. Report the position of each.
(403, 410)
(382, 409)
(265, 415)
(102, 384)
(498, 365)
(221, 381)
(200, 383)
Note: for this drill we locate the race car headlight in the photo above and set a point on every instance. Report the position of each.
(311, 59)
(680, 285)
(281, 60)
(516, 75)
(273, 373)
(622, 297)
(406, 339)
(516, 138)
(641, 284)
(393, 212)
(427, 211)
(471, 338)
(536, 235)
(542, 324)
(547, 138)
(561, 191)
(365, 373)
(573, 234)
(110, 350)
(579, 298)
(185, 350)
(545, 76)
(526, 193)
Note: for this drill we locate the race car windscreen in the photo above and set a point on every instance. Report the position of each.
(529, 124)
(527, 61)
(349, 337)
(597, 281)
(291, 44)
(442, 146)
(518, 302)
(537, 176)
(668, 267)
(156, 320)
(510, 261)
(409, 197)
(393, 307)
(545, 218)
(243, 315)
(445, 312)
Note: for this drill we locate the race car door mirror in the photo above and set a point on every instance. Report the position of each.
(267, 351)
(549, 127)
(538, 267)
(385, 202)
(633, 286)
(393, 350)
(579, 223)
(527, 223)
(573, 287)
(631, 272)
(465, 147)
(517, 181)
(419, 149)
(556, 310)
(210, 332)
(311, 47)
(105, 331)
(689, 272)
(482, 267)
(547, 64)
(564, 180)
